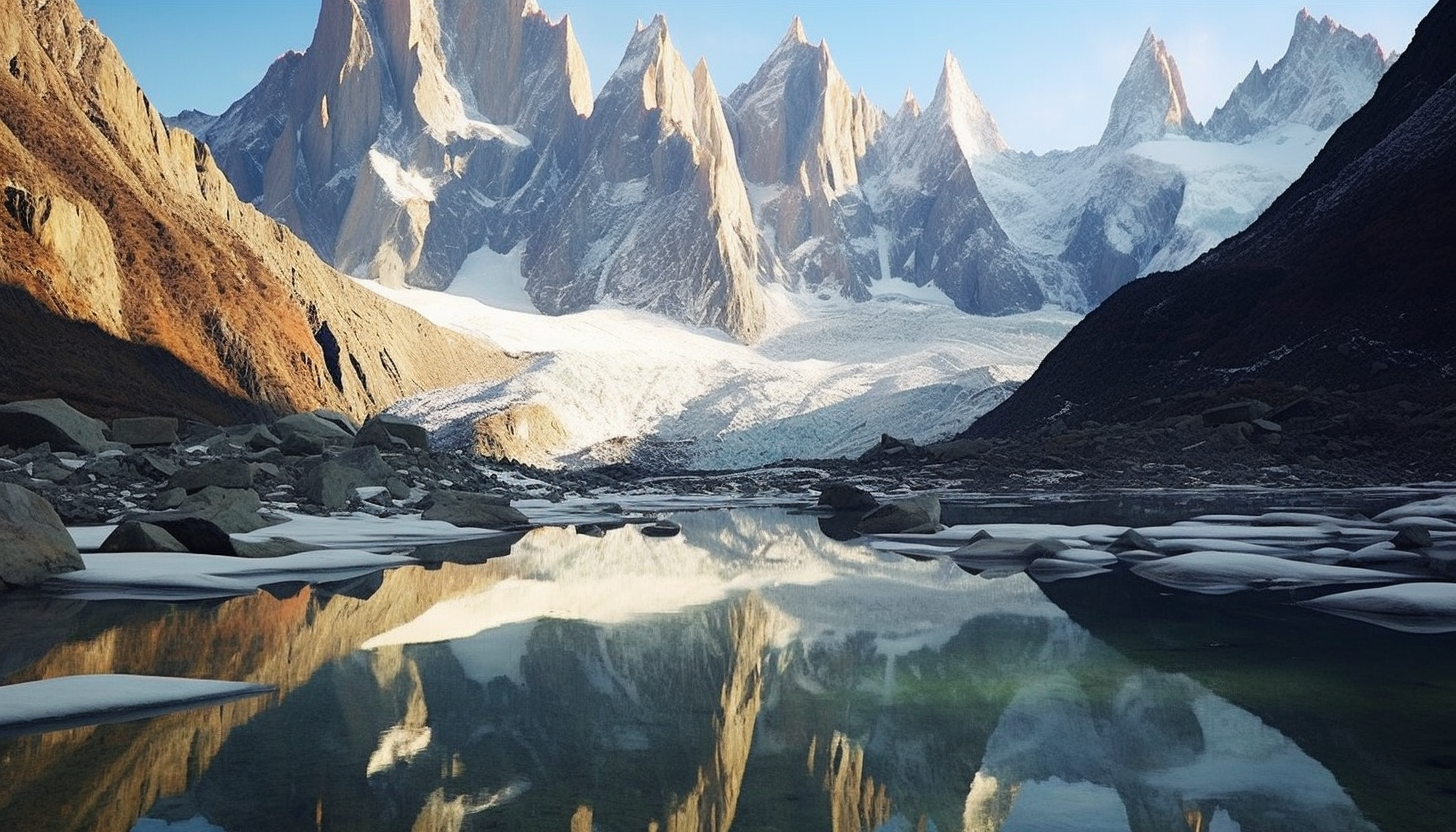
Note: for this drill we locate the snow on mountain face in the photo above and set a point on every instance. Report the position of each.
(939, 229)
(1150, 102)
(388, 86)
(657, 216)
(827, 377)
(1327, 73)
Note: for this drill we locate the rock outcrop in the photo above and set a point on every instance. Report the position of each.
(135, 281)
(657, 217)
(1150, 102)
(801, 136)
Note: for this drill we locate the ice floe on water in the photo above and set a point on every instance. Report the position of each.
(70, 701)
(177, 576)
(1412, 608)
(1219, 573)
(1216, 554)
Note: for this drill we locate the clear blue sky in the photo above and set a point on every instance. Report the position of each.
(1046, 69)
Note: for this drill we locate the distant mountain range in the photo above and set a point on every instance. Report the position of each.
(1341, 288)
(410, 135)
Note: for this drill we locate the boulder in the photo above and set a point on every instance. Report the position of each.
(133, 536)
(302, 444)
(309, 424)
(414, 435)
(845, 497)
(169, 499)
(34, 544)
(1248, 410)
(50, 469)
(200, 535)
(145, 430)
(474, 510)
(221, 473)
(253, 437)
(1412, 536)
(156, 467)
(27, 423)
(919, 514)
(234, 510)
(331, 485)
(343, 420)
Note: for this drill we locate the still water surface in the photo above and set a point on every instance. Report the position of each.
(752, 674)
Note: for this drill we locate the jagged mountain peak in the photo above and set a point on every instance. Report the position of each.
(974, 128)
(795, 34)
(1327, 72)
(1150, 101)
(909, 105)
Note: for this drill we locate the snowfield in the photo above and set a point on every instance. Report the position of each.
(826, 380)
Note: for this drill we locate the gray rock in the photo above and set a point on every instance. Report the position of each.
(1412, 536)
(308, 424)
(145, 430)
(50, 469)
(394, 431)
(200, 535)
(300, 444)
(902, 516)
(253, 437)
(844, 497)
(234, 510)
(273, 547)
(157, 467)
(169, 499)
(27, 423)
(34, 544)
(475, 510)
(133, 536)
(343, 420)
(221, 473)
(1248, 410)
(662, 528)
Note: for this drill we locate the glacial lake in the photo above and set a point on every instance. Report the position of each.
(752, 673)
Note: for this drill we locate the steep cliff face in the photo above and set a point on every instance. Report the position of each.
(122, 236)
(801, 135)
(1343, 283)
(924, 193)
(1150, 102)
(410, 133)
(657, 216)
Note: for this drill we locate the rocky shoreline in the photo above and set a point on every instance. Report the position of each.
(188, 486)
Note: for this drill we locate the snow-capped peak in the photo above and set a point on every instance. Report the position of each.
(1150, 102)
(974, 128)
(1326, 74)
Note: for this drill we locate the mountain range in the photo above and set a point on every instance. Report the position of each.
(134, 281)
(409, 136)
(1340, 289)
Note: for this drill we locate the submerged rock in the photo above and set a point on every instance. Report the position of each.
(916, 514)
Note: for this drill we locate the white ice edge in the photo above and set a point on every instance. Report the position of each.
(95, 698)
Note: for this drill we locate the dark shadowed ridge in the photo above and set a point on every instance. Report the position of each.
(1346, 282)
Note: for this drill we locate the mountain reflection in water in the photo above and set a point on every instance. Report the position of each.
(749, 674)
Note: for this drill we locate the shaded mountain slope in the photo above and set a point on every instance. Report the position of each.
(1344, 283)
(162, 291)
